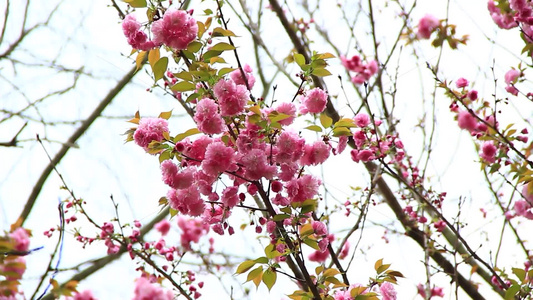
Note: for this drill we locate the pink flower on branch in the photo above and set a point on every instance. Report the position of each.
(314, 101)
(232, 98)
(177, 29)
(149, 130)
(426, 26)
(136, 38)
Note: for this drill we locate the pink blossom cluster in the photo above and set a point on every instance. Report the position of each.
(363, 70)
(236, 76)
(367, 147)
(21, 239)
(386, 290)
(191, 231)
(504, 20)
(149, 130)
(523, 207)
(136, 37)
(147, 290)
(511, 78)
(314, 101)
(177, 29)
(435, 291)
(426, 26)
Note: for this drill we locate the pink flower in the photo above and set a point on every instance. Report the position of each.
(511, 76)
(303, 188)
(353, 64)
(289, 147)
(230, 197)
(208, 118)
(362, 120)
(136, 38)
(461, 83)
(218, 159)
(288, 109)
(315, 154)
(319, 256)
(466, 121)
(365, 155)
(85, 295)
(526, 194)
(13, 268)
(343, 142)
(192, 231)
(426, 26)
(256, 166)
(196, 150)
(21, 238)
(176, 30)
(177, 180)
(314, 101)
(149, 130)
(387, 291)
(524, 209)
(345, 250)
(232, 97)
(504, 21)
(236, 76)
(488, 152)
(439, 225)
(437, 292)
(163, 227)
(144, 290)
(472, 95)
(319, 228)
(187, 201)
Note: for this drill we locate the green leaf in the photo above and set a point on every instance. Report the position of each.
(383, 268)
(311, 243)
(314, 128)
(187, 76)
(271, 252)
(269, 278)
(219, 31)
(520, 273)
(325, 120)
(245, 266)
(340, 131)
(194, 46)
(225, 71)
(165, 115)
(299, 59)
(512, 291)
(153, 56)
(187, 133)
(136, 3)
(183, 86)
(320, 72)
(173, 212)
(211, 53)
(164, 156)
(261, 260)
(139, 60)
(280, 217)
(159, 68)
(222, 47)
(326, 55)
(344, 123)
(331, 272)
(257, 272)
(378, 264)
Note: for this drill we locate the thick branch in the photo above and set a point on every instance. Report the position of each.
(71, 141)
